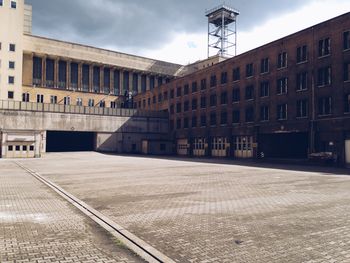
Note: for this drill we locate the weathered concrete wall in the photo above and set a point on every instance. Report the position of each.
(26, 120)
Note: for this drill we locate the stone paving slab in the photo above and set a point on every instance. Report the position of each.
(207, 212)
(36, 225)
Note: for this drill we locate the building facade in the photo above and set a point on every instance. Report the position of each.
(287, 99)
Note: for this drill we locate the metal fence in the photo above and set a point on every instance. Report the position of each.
(72, 109)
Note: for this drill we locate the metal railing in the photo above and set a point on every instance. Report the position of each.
(72, 109)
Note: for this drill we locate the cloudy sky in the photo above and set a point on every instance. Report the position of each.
(173, 30)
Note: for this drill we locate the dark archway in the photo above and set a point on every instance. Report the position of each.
(61, 141)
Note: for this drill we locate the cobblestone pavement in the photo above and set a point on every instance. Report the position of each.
(205, 212)
(37, 225)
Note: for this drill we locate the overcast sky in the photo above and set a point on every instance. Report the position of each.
(173, 30)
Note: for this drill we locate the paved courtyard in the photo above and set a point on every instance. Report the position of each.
(207, 212)
(37, 225)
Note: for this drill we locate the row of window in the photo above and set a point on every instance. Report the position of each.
(12, 47)
(17, 148)
(13, 4)
(67, 101)
(302, 111)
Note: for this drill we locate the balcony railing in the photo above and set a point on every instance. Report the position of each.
(72, 109)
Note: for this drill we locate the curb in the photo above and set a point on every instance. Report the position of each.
(132, 242)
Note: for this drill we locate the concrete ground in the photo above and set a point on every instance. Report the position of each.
(37, 225)
(207, 212)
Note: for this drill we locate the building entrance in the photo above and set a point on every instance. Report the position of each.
(60, 141)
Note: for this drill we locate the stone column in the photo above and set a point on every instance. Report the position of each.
(43, 71)
(91, 73)
(80, 76)
(111, 80)
(101, 88)
(148, 87)
(139, 83)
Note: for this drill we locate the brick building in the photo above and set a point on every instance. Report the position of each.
(287, 99)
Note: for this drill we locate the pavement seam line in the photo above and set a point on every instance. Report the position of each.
(132, 242)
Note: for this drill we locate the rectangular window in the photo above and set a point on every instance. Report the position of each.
(178, 107)
(172, 94)
(102, 104)
(178, 91)
(12, 47)
(24, 148)
(264, 89)
(10, 148)
(302, 78)
(143, 83)
(347, 103)
(160, 81)
(31, 148)
(236, 75)
(25, 97)
(11, 80)
(249, 70)
(324, 47)
(91, 103)
(324, 76)
(302, 108)
(212, 81)
(302, 54)
(11, 65)
(264, 113)
(74, 76)
(282, 86)
(172, 108)
(194, 104)
(1, 3)
(249, 92)
(186, 106)
(18, 148)
(346, 40)
(40, 98)
(186, 123)
(203, 120)
(96, 79)
(186, 89)
(223, 118)
(223, 77)
(213, 119)
(152, 82)
(282, 60)
(249, 114)
(325, 106)
(264, 66)
(13, 4)
(107, 81)
(66, 100)
(10, 95)
(223, 98)
(194, 87)
(236, 95)
(79, 102)
(86, 79)
(53, 99)
(203, 102)
(346, 71)
(282, 112)
(236, 116)
(203, 84)
(213, 100)
(178, 124)
(194, 122)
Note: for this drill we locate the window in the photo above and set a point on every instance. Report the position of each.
(282, 86)
(203, 84)
(12, 47)
(178, 92)
(11, 65)
(66, 100)
(213, 81)
(79, 102)
(102, 104)
(282, 60)
(172, 94)
(178, 107)
(282, 112)
(186, 123)
(24, 148)
(18, 148)
(1, 3)
(91, 103)
(40, 98)
(249, 92)
(223, 77)
(213, 100)
(223, 118)
(264, 66)
(236, 95)
(186, 89)
(53, 99)
(25, 97)
(194, 87)
(160, 98)
(347, 103)
(10, 94)
(31, 148)
(194, 104)
(11, 80)
(324, 76)
(236, 75)
(213, 119)
(235, 116)
(302, 54)
(346, 39)
(302, 81)
(194, 121)
(203, 120)
(249, 70)
(186, 106)
(10, 148)
(347, 71)
(13, 4)
(203, 102)
(223, 98)
(264, 89)
(178, 124)
(249, 114)
(325, 106)
(264, 113)
(324, 47)
(302, 108)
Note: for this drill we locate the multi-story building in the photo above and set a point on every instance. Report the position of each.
(287, 99)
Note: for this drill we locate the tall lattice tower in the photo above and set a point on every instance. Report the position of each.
(222, 31)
